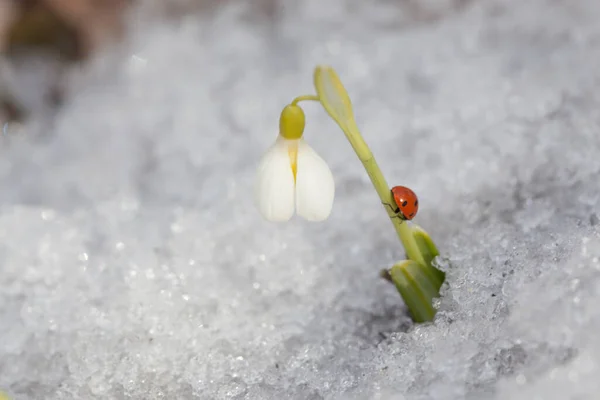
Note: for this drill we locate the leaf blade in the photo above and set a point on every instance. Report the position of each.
(417, 288)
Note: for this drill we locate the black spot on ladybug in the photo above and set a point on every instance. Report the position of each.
(416, 203)
(412, 215)
(404, 203)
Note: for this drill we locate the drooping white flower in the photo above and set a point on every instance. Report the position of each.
(292, 177)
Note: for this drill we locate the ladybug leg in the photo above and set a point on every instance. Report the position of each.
(400, 216)
(396, 211)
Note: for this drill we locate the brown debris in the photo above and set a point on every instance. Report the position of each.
(64, 30)
(7, 15)
(72, 28)
(97, 22)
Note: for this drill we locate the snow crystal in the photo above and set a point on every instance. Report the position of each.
(134, 265)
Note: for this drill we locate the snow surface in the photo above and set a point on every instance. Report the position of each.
(134, 265)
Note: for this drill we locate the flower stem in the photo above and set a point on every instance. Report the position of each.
(311, 97)
(336, 102)
(365, 155)
(377, 179)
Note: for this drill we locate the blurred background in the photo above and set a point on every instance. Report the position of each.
(40, 40)
(133, 264)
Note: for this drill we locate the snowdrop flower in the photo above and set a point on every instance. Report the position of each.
(291, 175)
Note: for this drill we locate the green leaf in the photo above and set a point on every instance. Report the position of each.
(418, 286)
(429, 251)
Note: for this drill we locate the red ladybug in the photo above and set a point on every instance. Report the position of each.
(406, 200)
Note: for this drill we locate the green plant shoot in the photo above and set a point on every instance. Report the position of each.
(417, 280)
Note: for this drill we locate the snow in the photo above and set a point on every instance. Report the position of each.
(134, 264)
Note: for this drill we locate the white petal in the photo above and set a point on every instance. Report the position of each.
(315, 187)
(275, 189)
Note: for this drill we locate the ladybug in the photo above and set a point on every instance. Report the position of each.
(406, 200)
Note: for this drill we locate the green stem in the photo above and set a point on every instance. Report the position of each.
(304, 98)
(416, 279)
(377, 179)
(368, 160)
